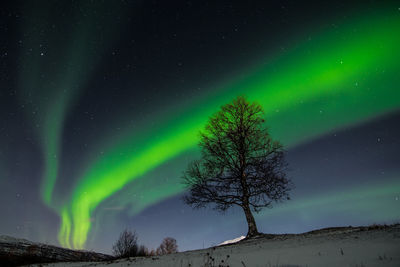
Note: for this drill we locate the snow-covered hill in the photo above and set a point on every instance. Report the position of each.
(345, 246)
(16, 252)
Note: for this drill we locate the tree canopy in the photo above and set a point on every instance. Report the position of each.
(240, 163)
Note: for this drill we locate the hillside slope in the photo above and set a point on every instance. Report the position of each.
(344, 246)
(16, 252)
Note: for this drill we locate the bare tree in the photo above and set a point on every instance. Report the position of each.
(167, 246)
(151, 252)
(126, 245)
(240, 164)
(142, 251)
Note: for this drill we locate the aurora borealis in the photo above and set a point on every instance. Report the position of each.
(102, 103)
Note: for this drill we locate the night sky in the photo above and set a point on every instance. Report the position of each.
(101, 103)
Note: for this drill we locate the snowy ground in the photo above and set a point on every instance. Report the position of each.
(235, 240)
(374, 246)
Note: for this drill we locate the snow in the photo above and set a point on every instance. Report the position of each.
(235, 240)
(330, 247)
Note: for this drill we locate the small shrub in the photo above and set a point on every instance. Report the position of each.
(127, 246)
(167, 246)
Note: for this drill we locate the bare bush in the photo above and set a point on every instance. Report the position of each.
(167, 246)
(126, 245)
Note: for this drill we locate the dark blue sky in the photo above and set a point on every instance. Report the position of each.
(76, 78)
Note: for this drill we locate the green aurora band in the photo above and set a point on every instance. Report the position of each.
(363, 199)
(339, 78)
(60, 84)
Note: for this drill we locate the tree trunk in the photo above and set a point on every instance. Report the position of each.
(250, 221)
(246, 208)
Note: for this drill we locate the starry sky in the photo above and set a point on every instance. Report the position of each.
(101, 103)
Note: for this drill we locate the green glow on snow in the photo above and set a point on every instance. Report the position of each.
(341, 78)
